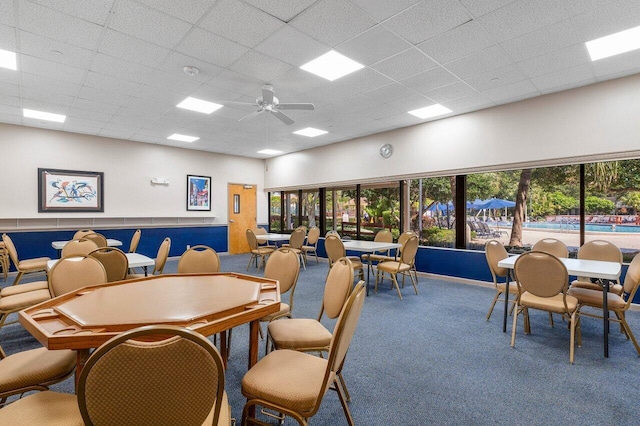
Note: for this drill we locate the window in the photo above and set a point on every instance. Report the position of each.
(432, 210)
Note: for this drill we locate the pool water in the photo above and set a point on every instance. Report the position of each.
(589, 227)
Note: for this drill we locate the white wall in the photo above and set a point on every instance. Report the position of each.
(128, 168)
(592, 123)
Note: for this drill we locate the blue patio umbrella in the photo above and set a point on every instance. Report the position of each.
(437, 206)
(496, 203)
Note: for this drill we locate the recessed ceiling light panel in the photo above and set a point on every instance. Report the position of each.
(41, 115)
(8, 60)
(430, 111)
(183, 138)
(614, 44)
(269, 151)
(199, 105)
(310, 132)
(332, 65)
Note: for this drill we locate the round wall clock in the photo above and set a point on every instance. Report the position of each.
(386, 150)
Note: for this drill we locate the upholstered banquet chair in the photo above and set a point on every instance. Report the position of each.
(494, 253)
(4, 259)
(311, 244)
(591, 303)
(261, 231)
(152, 375)
(294, 383)
(78, 247)
(161, 259)
(74, 272)
(296, 242)
(334, 247)
(82, 232)
(551, 246)
(199, 259)
(27, 266)
(135, 240)
(382, 236)
(599, 250)
(99, 239)
(114, 260)
(257, 251)
(543, 283)
(403, 265)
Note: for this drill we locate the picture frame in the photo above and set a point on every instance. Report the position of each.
(198, 193)
(68, 191)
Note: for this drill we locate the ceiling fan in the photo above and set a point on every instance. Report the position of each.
(269, 103)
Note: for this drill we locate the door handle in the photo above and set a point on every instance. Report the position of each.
(232, 221)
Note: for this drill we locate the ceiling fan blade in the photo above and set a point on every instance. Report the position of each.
(309, 107)
(240, 103)
(267, 94)
(280, 116)
(253, 114)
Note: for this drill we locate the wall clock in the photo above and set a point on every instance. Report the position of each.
(386, 150)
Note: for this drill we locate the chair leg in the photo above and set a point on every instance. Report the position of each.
(572, 338)
(343, 401)
(250, 260)
(18, 277)
(415, 283)
(513, 327)
(625, 324)
(493, 304)
(344, 387)
(394, 280)
(551, 319)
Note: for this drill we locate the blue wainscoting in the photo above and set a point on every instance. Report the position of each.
(30, 244)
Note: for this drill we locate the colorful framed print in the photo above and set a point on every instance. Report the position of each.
(70, 191)
(198, 193)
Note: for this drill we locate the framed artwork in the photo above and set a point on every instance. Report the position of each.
(198, 193)
(70, 191)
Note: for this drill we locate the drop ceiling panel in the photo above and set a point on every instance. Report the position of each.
(131, 49)
(545, 40)
(292, 46)
(50, 69)
(429, 80)
(458, 42)
(119, 68)
(186, 10)
(211, 48)
(384, 9)
(260, 66)
(7, 37)
(374, 45)
(55, 51)
(96, 11)
(285, 10)
(405, 64)
(7, 13)
(569, 77)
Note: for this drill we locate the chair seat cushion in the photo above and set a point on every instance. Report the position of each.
(593, 298)
(261, 251)
(355, 261)
(34, 367)
(553, 304)
(23, 300)
(43, 408)
(302, 373)
(35, 264)
(299, 334)
(308, 248)
(284, 310)
(615, 288)
(225, 413)
(23, 288)
(513, 287)
(393, 266)
(377, 257)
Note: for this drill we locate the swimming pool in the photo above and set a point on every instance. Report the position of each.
(589, 227)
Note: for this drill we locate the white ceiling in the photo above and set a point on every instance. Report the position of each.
(115, 67)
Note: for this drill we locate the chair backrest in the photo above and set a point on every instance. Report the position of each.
(251, 239)
(337, 288)
(78, 247)
(552, 246)
(177, 380)
(99, 239)
(313, 236)
(409, 250)
(600, 250)
(632, 279)
(134, 241)
(82, 232)
(11, 248)
(199, 259)
(383, 236)
(541, 274)
(405, 236)
(283, 265)
(494, 253)
(261, 231)
(332, 232)
(334, 247)
(114, 260)
(161, 258)
(297, 238)
(73, 272)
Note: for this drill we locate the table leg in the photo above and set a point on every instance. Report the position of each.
(253, 353)
(145, 270)
(605, 316)
(82, 355)
(368, 272)
(506, 302)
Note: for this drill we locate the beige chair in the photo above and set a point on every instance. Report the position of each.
(294, 383)
(74, 272)
(296, 242)
(33, 370)
(27, 266)
(403, 265)
(335, 250)
(311, 245)
(543, 283)
(82, 232)
(99, 239)
(257, 251)
(161, 259)
(494, 253)
(619, 304)
(382, 236)
(114, 260)
(552, 246)
(81, 247)
(153, 375)
(261, 231)
(332, 232)
(199, 259)
(135, 240)
(599, 250)
(16, 298)
(4, 260)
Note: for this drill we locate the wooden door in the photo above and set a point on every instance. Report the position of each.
(242, 215)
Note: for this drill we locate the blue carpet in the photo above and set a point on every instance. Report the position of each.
(433, 359)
